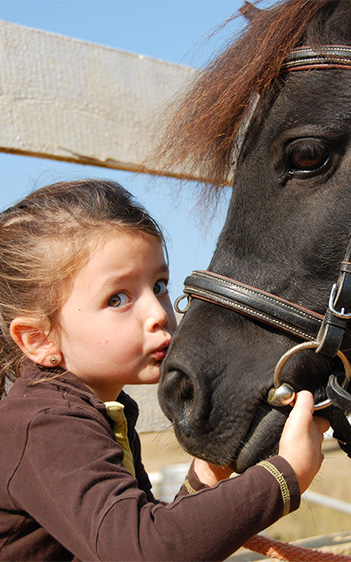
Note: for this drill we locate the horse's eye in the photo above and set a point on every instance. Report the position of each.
(307, 157)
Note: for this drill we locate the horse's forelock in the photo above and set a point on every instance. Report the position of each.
(204, 125)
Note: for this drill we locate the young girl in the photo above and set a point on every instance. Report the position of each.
(84, 310)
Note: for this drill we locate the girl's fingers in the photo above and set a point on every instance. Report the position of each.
(304, 406)
(322, 423)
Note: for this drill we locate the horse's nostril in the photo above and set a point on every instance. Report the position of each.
(185, 389)
(178, 394)
(178, 388)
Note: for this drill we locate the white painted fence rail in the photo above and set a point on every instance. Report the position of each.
(67, 99)
(327, 501)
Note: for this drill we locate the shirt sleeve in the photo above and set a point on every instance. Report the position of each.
(192, 484)
(72, 481)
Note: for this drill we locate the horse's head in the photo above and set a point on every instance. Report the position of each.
(286, 232)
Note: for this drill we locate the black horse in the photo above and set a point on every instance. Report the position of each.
(288, 226)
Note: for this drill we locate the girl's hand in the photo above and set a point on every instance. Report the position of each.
(302, 438)
(211, 474)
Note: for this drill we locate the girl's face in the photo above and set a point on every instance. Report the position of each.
(116, 324)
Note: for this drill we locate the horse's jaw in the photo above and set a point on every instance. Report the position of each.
(262, 440)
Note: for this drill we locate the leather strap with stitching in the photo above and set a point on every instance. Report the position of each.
(253, 302)
(329, 56)
(257, 304)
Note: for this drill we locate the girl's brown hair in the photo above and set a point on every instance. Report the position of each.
(45, 239)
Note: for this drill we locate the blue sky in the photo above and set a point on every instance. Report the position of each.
(171, 30)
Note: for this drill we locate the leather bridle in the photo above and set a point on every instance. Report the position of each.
(327, 334)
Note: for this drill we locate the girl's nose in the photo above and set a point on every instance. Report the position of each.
(156, 315)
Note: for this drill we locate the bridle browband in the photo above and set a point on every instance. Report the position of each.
(328, 334)
(327, 57)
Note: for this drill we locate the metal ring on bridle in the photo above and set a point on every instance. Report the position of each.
(177, 302)
(310, 345)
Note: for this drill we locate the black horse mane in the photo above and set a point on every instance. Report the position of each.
(201, 132)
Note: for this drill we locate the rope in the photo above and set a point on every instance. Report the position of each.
(288, 552)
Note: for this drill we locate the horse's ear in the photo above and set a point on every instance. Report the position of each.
(249, 11)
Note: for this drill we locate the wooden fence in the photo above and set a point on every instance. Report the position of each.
(71, 100)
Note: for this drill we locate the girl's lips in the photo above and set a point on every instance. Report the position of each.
(159, 353)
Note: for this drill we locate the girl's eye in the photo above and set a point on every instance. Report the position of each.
(160, 287)
(117, 300)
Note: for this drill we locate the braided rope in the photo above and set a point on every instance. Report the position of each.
(288, 552)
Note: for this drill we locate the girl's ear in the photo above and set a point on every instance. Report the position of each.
(31, 336)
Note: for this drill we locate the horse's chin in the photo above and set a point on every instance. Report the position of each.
(262, 439)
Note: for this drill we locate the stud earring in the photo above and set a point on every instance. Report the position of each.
(53, 360)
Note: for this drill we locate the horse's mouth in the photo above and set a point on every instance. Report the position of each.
(262, 439)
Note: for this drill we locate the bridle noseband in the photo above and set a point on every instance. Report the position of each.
(327, 334)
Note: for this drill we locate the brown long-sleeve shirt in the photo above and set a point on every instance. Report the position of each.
(65, 493)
